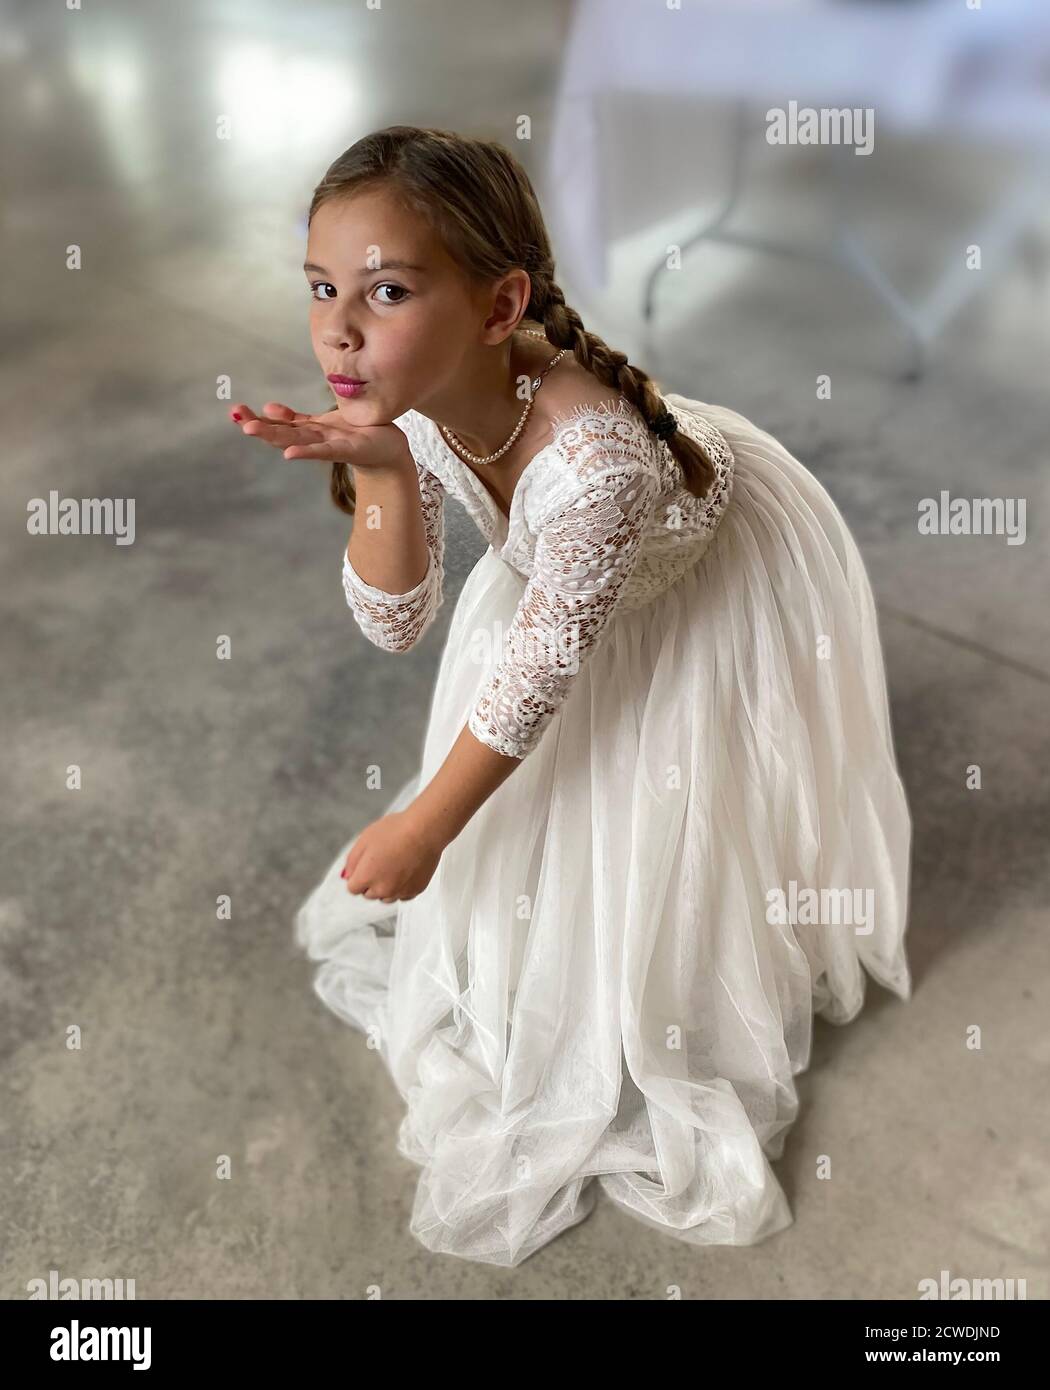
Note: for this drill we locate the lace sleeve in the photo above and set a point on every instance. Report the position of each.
(396, 622)
(584, 557)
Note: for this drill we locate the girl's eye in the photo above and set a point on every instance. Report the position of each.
(388, 285)
(316, 285)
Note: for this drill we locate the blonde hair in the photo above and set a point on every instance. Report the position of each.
(482, 205)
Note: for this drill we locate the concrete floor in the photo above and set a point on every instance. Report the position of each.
(203, 1037)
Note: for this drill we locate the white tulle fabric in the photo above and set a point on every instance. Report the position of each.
(590, 993)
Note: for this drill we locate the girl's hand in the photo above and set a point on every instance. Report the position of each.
(393, 858)
(327, 437)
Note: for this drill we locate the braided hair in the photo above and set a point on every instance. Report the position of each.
(564, 328)
(483, 206)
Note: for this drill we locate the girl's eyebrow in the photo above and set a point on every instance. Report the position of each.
(369, 270)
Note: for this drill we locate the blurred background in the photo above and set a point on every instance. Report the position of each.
(885, 314)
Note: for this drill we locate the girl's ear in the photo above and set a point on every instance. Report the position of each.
(511, 295)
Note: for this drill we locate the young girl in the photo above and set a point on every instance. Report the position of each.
(658, 822)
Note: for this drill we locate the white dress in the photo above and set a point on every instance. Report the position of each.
(613, 972)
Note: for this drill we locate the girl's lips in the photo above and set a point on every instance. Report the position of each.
(343, 387)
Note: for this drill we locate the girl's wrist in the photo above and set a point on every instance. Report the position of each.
(396, 464)
(437, 834)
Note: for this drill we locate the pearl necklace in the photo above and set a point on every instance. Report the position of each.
(453, 440)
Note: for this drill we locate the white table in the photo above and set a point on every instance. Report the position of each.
(926, 67)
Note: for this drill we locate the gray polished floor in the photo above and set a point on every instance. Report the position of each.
(201, 1037)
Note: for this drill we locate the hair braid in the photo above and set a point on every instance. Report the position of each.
(564, 329)
(341, 488)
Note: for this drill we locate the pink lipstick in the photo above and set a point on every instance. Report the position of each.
(346, 385)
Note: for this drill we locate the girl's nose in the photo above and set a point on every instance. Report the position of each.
(342, 338)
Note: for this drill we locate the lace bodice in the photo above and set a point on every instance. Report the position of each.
(600, 521)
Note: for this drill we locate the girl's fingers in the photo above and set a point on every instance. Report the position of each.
(334, 452)
(268, 432)
(283, 435)
(299, 436)
(274, 410)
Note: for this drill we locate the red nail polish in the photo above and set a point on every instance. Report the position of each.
(342, 873)
(236, 416)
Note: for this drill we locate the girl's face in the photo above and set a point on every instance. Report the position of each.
(390, 307)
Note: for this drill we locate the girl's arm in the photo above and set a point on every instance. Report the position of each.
(393, 566)
(464, 781)
(585, 555)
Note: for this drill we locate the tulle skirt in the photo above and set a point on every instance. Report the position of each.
(610, 980)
